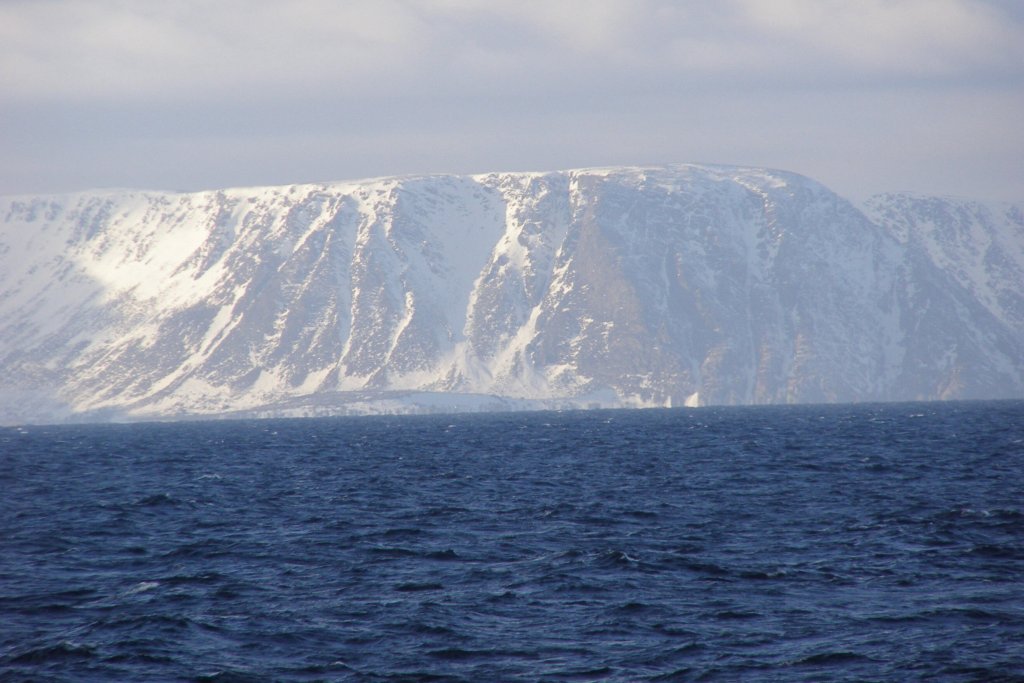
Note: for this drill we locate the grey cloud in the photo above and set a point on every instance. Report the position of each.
(104, 49)
(193, 94)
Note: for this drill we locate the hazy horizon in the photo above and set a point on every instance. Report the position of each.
(914, 95)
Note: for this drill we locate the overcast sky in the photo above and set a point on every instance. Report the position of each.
(863, 95)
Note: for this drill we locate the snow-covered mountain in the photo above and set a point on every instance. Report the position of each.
(614, 287)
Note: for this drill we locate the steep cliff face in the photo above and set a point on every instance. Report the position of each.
(964, 316)
(620, 286)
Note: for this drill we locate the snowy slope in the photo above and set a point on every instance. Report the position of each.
(617, 286)
(966, 301)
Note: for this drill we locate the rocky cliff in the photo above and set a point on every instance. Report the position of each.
(656, 286)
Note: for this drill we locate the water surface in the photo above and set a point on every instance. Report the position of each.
(879, 542)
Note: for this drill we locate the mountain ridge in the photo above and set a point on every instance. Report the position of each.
(614, 286)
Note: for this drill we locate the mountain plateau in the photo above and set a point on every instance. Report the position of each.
(633, 286)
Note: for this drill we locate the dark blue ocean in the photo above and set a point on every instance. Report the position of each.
(824, 543)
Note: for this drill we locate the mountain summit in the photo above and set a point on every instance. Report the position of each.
(672, 285)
